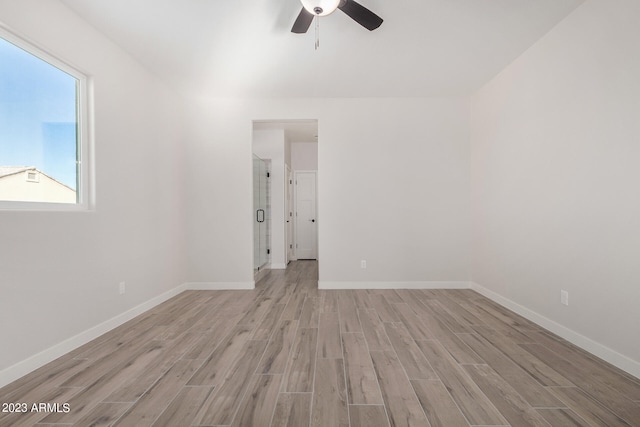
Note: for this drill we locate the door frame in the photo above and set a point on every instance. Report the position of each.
(289, 226)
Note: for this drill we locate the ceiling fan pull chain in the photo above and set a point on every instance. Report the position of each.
(317, 32)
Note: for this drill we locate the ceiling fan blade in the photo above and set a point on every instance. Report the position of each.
(303, 22)
(360, 14)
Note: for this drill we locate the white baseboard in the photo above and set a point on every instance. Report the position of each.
(621, 361)
(278, 266)
(393, 285)
(38, 360)
(34, 362)
(219, 286)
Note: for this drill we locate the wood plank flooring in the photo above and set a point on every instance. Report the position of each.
(288, 354)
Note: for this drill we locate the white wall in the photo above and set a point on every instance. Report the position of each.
(393, 188)
(555, 180)
(59, 272)
(304, 156)
(270, 144)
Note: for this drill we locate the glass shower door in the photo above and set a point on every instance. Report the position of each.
(260, 237)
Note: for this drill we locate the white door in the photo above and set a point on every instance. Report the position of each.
(306, 221)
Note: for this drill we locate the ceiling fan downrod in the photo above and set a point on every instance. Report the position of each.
(317, 33)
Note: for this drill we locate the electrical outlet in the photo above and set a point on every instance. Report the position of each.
(122, 287)
(564, 297)
(363, 263)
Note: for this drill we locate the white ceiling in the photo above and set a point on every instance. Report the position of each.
(245, 48)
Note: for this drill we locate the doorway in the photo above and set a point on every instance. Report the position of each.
(289, 146)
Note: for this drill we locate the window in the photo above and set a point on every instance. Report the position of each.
(32, 176)
(43, 138)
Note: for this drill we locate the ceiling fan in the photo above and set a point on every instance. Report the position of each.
(312, 8)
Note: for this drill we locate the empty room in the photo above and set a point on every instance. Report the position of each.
(320, 213)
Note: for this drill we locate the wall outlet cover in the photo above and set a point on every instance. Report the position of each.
(564, 297)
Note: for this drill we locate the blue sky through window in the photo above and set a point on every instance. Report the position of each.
(37, 115)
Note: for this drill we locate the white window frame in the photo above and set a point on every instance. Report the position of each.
(84, 145)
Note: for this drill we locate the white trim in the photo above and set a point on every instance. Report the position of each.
(394, 285)
(621, 361)
(219, 286)
(38, 360)
(288, 214)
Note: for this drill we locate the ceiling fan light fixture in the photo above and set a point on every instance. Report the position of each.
(320, 7)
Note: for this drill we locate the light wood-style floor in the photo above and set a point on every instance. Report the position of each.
(287, 354)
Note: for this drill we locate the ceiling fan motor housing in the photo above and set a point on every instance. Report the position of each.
(353, 9)
(320, 7)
